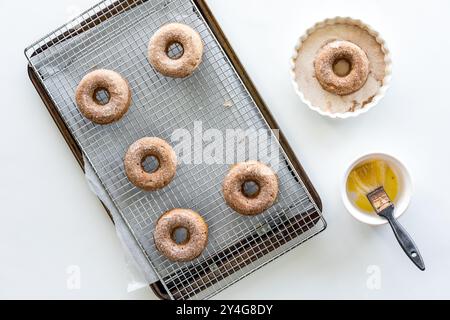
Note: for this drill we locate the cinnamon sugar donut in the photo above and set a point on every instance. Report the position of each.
(255, 172)
(119, 96)
(175, 33)
(196, 240)
(325, 62)
(139, 152)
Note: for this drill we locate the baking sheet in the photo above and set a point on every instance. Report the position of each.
(214, 96)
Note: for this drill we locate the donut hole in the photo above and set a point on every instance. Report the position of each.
(150, 164)
(250, 189)
(175, 50)
(101, 96)
(180, 235)
(342, 67)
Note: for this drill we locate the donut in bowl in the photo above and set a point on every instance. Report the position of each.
(348, 82)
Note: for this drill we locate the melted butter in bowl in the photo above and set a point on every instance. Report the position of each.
(366, 174)
(369, 176)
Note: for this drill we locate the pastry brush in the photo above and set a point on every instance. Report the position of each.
(384, 207)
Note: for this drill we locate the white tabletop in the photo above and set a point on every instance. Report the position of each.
(52, 228)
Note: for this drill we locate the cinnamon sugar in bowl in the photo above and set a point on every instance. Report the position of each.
(325, 100)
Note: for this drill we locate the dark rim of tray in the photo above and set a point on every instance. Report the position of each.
(158, 288)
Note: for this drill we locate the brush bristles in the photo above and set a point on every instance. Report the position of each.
(369, 176)
(379, 200)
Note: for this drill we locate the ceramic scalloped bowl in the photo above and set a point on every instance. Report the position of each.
(386, 81)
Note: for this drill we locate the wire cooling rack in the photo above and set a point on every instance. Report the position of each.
(114, 35)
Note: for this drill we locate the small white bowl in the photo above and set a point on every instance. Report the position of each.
(386, 81)
(403, 198)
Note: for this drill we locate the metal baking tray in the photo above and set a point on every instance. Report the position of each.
(220, 95)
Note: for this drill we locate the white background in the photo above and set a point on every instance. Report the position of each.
(50, 221)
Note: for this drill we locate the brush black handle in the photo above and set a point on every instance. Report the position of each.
(405, 240)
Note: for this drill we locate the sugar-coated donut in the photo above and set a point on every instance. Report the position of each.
(260, 174)
(332, 53)
(197, 235)
(139, 152)
(118, 90)
(168, 35)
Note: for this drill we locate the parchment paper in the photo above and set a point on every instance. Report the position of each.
(141, 273)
